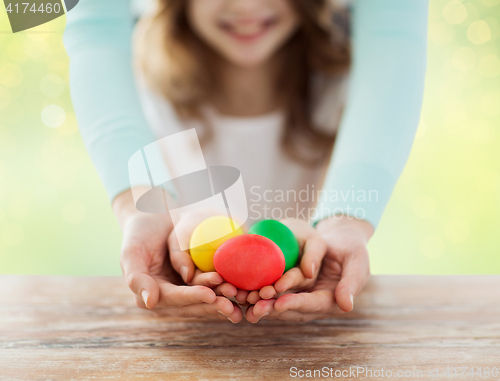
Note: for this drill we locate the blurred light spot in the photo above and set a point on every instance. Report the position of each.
(457, 231)
(453, 73)
(494, 27)
(46, 196)
(424, 206)
(441, 34)
(491, 103)
(472, 15)
(70, 127)
(488, 180)
(53, 116)
(454, 111)
(458, 128)
(479, 32)
(422, 127)
(4, 98)
(483, 131)
(471, 80)
(12, 234)
(454, 12)
(58, 63)
(432, 246)
(18, 209)
(8, 144)
(489, 66)
(35, 49)
(10, 75)
(464, 58)
(73, 212)
(52, 85)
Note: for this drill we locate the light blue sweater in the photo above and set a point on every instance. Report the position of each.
(376, 132)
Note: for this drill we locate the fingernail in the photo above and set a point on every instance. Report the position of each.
(228, 318)
(184, 273)
(145, 297)
(267, 313)
(352, 300)
(313, 267)
(222, 313)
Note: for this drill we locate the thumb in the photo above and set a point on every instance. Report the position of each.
(136, 272)
(355, 274)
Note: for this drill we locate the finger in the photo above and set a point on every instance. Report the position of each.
(267, 292)
(180, 259)
(210, 279)
(136, 272)
(253, 297)
(250, 316)
(355, 274)
(180, 296)
(314, 251)
(226, 289)
(222, 308)
(292, 279)
(263, 308)
(241, 296)
(139, 302)
(237, 315)
(315, 302)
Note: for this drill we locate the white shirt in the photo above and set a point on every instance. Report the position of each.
(276, 185)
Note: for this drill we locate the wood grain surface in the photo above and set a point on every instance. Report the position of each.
(88, 328)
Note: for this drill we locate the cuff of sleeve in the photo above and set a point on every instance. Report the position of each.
(358, 190)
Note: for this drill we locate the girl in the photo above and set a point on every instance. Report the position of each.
(264, 83)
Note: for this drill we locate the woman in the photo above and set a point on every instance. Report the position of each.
(374, 140)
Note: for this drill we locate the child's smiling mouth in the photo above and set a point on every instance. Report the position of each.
(247, 30)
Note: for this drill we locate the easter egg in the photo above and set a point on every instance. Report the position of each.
(206, 239)
(249, 262)
(282, 236)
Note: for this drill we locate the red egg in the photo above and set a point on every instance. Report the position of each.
(249, 262)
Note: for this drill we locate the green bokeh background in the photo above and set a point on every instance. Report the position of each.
(444, 216)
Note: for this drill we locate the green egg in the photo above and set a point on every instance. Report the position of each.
(282, 236)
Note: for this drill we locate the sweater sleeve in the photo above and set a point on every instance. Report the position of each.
(382, 109)
(97, 39)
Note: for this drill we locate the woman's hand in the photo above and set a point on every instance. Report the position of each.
(312, 249)
(343, 274)
(149, 273)
(183, 264)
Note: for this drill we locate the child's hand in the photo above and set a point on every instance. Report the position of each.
(312, 248)
(345, 271)
(149, 272)
(184, 265)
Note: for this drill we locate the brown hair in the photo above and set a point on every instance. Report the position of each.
(170, 57)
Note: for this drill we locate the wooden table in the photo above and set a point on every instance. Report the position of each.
(63, 328)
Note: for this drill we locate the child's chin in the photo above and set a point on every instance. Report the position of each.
(249, 60)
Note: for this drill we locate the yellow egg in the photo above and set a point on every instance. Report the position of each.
(207, 237)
